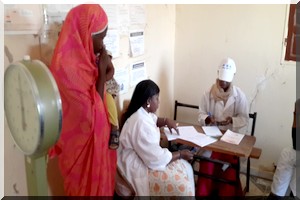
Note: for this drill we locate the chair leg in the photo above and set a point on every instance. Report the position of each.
(238, 170)
(248, 175)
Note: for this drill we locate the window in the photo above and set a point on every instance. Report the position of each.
(293, 37)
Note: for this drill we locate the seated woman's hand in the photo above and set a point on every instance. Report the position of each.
(186, 154)
(171, 124)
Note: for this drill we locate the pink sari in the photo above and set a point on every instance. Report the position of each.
(86, 163)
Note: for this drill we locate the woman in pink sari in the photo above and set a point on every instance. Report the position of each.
(79, 66)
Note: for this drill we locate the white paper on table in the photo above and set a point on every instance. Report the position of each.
(189, 133)
(232, 137)
(212, 131)
(201, 140)
(171, 135)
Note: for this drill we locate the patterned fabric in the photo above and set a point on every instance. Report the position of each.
(174, 181)
(86, 163)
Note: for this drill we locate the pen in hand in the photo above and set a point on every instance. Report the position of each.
(210, 119)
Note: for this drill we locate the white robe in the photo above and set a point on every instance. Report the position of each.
(235, 107)
(139, 150)
(285, 174)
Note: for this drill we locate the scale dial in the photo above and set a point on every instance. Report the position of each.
(32, 106)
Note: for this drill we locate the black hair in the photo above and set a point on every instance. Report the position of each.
(142, 92)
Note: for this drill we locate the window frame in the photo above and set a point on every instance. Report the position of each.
(290, 51)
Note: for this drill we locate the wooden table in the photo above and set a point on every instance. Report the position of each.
(244, 149)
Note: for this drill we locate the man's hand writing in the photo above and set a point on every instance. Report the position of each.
(210, 120)
(225, 122)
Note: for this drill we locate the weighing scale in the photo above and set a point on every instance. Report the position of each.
(33, 111)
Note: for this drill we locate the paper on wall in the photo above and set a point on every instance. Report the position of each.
(136, 39)
(138, 73)
(112, 42)
(122, 77)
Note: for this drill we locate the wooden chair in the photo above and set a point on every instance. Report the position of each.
(255, 153)
(178, 104)
(182, 105)
(123, 188)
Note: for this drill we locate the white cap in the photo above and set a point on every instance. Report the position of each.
(227, 70)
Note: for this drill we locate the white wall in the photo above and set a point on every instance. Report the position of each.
(252, 35)
(159, 54)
